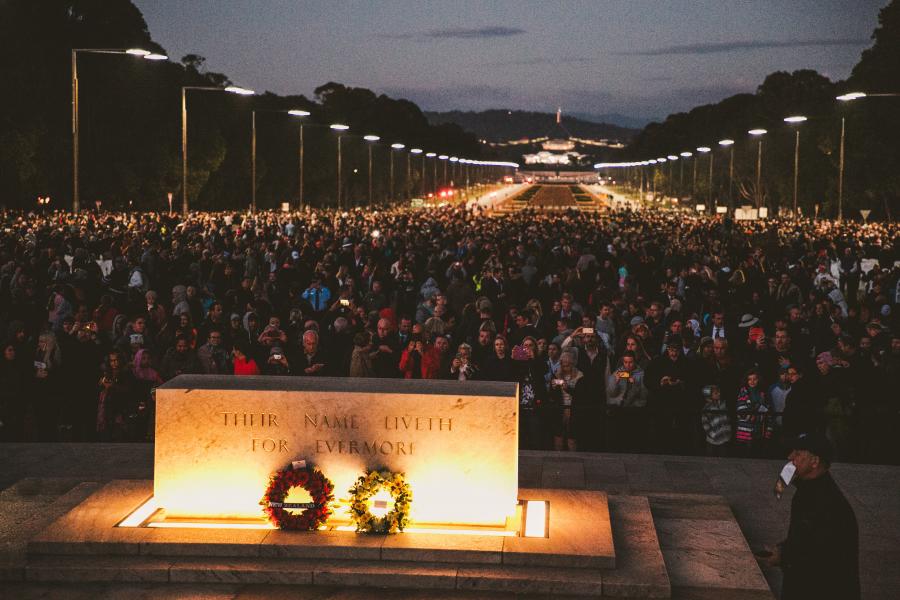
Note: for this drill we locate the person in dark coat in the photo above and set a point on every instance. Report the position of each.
(593, 364)
(499, 366)
(670, 400)
(820, 557)
(803, 410)
(532, 395)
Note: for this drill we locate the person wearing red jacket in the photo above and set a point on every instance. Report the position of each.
(243, 364)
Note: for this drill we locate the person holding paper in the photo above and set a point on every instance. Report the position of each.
(820, 557)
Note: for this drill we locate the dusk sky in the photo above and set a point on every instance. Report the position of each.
(639, 58)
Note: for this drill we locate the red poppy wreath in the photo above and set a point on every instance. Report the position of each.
(314, 513)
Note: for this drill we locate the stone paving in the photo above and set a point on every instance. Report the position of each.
(28, 502)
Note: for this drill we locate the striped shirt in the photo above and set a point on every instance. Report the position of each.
(716, 425)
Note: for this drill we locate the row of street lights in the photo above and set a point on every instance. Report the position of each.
(758, 133)
(339, 128)
(725, 143)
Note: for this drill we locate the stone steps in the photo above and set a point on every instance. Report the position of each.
(705, 552)
(665, 546)
(642, 574)
(579, 556)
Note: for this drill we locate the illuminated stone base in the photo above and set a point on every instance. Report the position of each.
(87, 545)
(595, 546)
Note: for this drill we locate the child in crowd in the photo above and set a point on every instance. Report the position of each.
(716, 425)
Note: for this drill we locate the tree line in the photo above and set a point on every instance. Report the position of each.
(130, 122)
(871, 128)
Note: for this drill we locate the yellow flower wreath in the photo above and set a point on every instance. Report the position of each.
(367, 486)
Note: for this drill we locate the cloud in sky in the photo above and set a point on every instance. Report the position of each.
(460, 33)
(544, 61)
(741, 46)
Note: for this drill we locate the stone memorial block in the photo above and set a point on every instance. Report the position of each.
(219, 438)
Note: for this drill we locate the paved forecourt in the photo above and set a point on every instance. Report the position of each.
(45, 481)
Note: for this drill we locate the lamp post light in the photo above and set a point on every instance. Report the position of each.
(684, 155)
(434, 183)
(466, 162)
(728, 143)
(137, 52)
(371, 139)
(659, 161)
(409, 167)
(339, 128)
(422, 182)
(708, 150)
(848, 98)
(444, 157)
(300, 113)
(672, 158)
(758, 133)
(795, 120)
(454, 160)
(394, 148)
(231, 89)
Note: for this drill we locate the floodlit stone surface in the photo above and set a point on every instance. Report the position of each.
(431, 547)
(580, 534)
(89, 528)
(531, 580)
(272, 572)
(219, 438)
(345, 545)
(744, 487)
(640, 568)
(386, 574)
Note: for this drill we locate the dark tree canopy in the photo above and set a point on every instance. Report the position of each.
(872, 128)
(130, 117)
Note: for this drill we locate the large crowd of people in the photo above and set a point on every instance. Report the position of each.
(626, 331)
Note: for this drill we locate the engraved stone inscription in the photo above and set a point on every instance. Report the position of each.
(221, 438)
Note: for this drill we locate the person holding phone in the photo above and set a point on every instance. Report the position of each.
(626, 402)
(277, 363)
(567, 392)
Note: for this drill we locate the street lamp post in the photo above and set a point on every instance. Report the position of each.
(840, 210)
(253, 161)
(454, 165)
(232, 89)
(444, 157)
(339, 128)
(300, 113)
(407, 183)
(422, 182)
(145, 54)
(694, 180)
(758, 133)
(434, 183)
(371, 139)
(670, 186)
(796, 120)
(847, 98)
(295, 113)
(727, 143)
(707, 150)
(681, 175)
(409, 168)
(394, 148)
